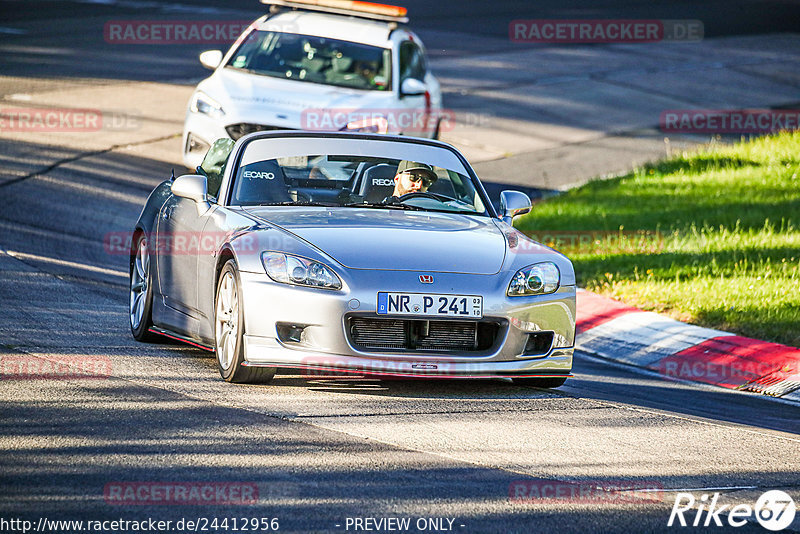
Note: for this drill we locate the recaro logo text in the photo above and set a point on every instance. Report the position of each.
(257, 175)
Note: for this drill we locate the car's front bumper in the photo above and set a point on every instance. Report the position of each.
(327, 346)
(270, 352)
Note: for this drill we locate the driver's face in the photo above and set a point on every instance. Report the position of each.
(411, 182)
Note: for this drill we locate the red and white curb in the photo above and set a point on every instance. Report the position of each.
(616, 331)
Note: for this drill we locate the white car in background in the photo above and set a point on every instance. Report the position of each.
(323, 65)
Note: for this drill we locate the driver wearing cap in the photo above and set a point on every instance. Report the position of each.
(413, 177)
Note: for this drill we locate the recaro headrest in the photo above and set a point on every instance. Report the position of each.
(260, 182)
(378, 182)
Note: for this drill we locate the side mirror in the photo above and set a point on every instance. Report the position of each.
(211, 59)
(412, 87)
(194, 187)
(513, 203)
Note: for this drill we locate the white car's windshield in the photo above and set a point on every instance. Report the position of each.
(314, 59)
(345, 180)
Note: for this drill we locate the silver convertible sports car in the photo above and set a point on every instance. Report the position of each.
(301, 250)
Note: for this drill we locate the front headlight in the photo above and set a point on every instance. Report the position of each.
(202, 103)
(289, 269)
(539, 279)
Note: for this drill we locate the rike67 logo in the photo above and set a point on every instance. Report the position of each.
(774, 510)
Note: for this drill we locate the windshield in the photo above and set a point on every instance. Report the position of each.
(354, 181)
(315, 59)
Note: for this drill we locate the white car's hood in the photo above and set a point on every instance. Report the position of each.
(396, 240)
(253, 98)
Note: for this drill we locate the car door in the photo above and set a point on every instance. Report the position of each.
(188, 241)
(180, 229)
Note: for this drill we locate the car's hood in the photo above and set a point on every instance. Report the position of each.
(395, 240)
(260, 99)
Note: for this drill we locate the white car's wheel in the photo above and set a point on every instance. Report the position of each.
(229, 331)
(141, 294)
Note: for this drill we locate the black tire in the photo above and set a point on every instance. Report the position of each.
(141, 272)
(545, 383)
(230, 359)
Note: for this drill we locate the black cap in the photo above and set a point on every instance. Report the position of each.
(406, 166)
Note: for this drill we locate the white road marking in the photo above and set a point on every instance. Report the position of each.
(12, 31)
(65, 263)
(793, 396)
(710, 488)
(21, 97)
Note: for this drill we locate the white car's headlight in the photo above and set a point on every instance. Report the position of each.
(539, 279)
(289, 269)
(202, 103)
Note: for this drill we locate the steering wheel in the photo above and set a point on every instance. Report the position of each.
(424, 194)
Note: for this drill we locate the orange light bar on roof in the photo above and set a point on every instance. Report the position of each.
(378, 9)
(356, 6)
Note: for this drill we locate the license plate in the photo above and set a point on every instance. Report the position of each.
(423, 304)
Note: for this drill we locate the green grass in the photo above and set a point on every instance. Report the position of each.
(712, 237)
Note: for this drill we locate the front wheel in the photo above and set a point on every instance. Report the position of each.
(141, 296)
(229, 332)
(545, 383)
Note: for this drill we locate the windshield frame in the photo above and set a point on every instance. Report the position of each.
(226, 192)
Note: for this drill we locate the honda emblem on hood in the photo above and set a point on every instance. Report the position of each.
(426, 278)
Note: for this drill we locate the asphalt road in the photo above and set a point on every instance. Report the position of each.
(319, 451)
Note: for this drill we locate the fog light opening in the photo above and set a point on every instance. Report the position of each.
(195, 144)
(538, 343)
(291, 332)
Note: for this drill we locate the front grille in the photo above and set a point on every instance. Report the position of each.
(378, 334)
(422, 335)
(243, 128)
